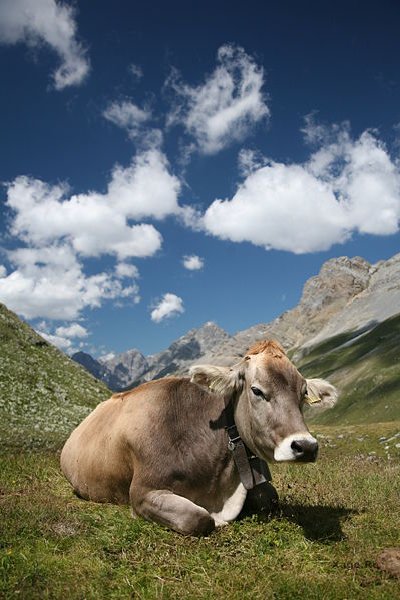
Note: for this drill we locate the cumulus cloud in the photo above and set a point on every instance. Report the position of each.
(57, 231)
(3, 271)
(169, 306)
(226, 106)
(346, 186)
(64, 337)
(62, 343)
(193, 262)
(96, 223)
(75, 330)
(50, 282)
(46, 22)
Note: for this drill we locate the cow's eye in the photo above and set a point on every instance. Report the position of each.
(257, 392)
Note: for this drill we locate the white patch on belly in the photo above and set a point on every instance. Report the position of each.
(232, 507)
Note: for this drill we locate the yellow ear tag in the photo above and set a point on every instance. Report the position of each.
(311, 399)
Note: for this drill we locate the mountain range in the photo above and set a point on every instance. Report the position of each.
(348, 296)
(346, 328)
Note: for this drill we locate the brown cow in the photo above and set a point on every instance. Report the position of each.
(163, 448)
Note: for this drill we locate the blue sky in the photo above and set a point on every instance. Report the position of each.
(163, 166)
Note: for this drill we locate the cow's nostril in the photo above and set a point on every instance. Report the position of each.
(305, 450)
(297, 447)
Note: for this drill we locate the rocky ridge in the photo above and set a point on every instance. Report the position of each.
(131, 367)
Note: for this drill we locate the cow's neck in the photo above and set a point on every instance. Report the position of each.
(252, 470)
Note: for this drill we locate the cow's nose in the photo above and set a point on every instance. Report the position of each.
(305, 450)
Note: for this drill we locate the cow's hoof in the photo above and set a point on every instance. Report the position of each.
(204, 526)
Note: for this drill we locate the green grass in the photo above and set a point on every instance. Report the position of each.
(43, 394)
(366, 370)
(334, 518)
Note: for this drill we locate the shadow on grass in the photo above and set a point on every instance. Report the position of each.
(319, 523)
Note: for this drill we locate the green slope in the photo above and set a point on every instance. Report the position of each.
(366, 369)
(43, 394)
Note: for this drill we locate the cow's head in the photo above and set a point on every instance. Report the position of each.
(269, 394)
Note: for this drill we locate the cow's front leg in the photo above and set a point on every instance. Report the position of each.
(172, 510)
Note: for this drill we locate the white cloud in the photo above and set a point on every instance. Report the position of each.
(136, 71)
(193, 262)
(365, 180)
(72, 331)
(126, 270)
(191, 217)
(169, 306)
(146, 189)
(346, 186)
(62, 337)
(96, 223)
(250, 160)
(43, 214)
(226, 106)
(50, 282)
(57, 231)
(106, 357)
(35, 22)
(127, 115)
(3, 271)
(281, 207)
(62, 343)
(134, 120)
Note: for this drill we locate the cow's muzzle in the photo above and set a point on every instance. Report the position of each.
(300, 447)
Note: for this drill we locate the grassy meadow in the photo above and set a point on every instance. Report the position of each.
(334, 518)
(365, 367)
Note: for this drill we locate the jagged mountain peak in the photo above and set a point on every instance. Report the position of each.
(338, 280)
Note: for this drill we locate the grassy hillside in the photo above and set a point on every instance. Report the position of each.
(335, 518)
(366, 369)
(43, 394)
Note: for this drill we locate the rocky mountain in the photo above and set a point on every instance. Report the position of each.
(131, 367)
(43, 393)
(122, 367)
(348, 296)
(376, 302)
(189, 348)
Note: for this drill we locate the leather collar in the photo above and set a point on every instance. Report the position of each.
(252, 470)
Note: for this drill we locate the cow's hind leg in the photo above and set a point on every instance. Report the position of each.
(172, 510)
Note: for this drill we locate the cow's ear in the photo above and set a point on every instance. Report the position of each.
(220, 380)
(321, 393)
